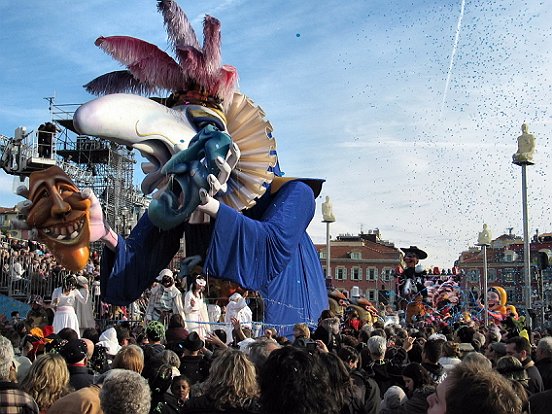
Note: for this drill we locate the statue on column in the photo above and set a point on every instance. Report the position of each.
(485, 236)
(526, 147)
(327, 212)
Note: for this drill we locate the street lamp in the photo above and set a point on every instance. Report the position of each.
(328, 218)
(484, 239)
(524, 157)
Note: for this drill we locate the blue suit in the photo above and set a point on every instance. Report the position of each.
(265, 249)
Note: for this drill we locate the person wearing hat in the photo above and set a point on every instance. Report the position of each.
(64, 299)
(75, 354)
(411, 281)
(37, 316)
(165, 299)
(193, 364)
(197, 317)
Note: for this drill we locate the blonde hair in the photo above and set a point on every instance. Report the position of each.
(129, 357)
(47, 380)
(232, 380)
(303, 328)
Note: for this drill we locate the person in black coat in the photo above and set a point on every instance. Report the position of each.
(74, 353)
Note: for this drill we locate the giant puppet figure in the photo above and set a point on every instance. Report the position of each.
(411, 281)
(212, 159)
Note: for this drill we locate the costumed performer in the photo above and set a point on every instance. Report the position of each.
(195, 308)
(63, 299)
(165, 299)
(210, 151)
(85, 314)
(238, 309)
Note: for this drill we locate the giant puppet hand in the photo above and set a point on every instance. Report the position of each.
(206, 204)
(63, 217)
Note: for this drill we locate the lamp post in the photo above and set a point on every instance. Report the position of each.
(328, 218)
(484, 240)
(524, 157)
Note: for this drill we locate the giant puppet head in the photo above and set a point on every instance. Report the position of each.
(412, 255)
(187, 136)
(61, 216)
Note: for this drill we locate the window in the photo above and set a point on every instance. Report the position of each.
(326, 274)
(322, 254)
(371, 273)
(340, 273)
(492, 275)
(474, 275)
(386, 274)
(356, 273)
(355, 255)
(371, 295)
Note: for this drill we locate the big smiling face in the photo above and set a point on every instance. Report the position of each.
(61, 216)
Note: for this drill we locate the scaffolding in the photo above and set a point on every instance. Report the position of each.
(91, 162)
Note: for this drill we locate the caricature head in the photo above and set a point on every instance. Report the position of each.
(496, 297)
(61, 216)
(412, 255)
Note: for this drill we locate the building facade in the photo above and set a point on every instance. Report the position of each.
(505, 267)
(361, 266)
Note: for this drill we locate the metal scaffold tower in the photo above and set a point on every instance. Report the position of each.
(92, 162)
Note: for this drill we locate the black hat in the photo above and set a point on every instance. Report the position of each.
(420, 254)
(193, 342)
(73, 351)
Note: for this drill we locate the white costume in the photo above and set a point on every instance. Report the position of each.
(237, 308)
(164, 300)
(196, 313)
(65, 316)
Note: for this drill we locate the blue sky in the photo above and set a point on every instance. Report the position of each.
(409, 109)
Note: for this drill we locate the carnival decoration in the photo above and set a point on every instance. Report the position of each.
(210, 151)
(61, 216)
(497, 298)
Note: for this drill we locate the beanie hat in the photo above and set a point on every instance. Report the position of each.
(155, 331)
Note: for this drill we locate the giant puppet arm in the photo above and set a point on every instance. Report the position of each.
(269, 252)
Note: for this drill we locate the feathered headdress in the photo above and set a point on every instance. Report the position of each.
(197, 75)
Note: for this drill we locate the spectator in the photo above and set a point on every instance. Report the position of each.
(109, 340)
(495, 351)
(47, 380)
(176, 330)
(393, 401)
(478, 359)
(230, 386)
(12, 399)
(74, 352)
(510, 368)
(129, 357)
(520, 347)
(125, 391)
(386, 372)
(294, 381)
(544, 361)
(365, 389)
(260, 350)
(540, 403)
(193, 364)
(418, 385)
(450, 356)
(180, 388)
(471, 389)
(84, 401)
(430, 360)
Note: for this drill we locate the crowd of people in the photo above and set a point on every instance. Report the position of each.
(340, 367)
(172, 358)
